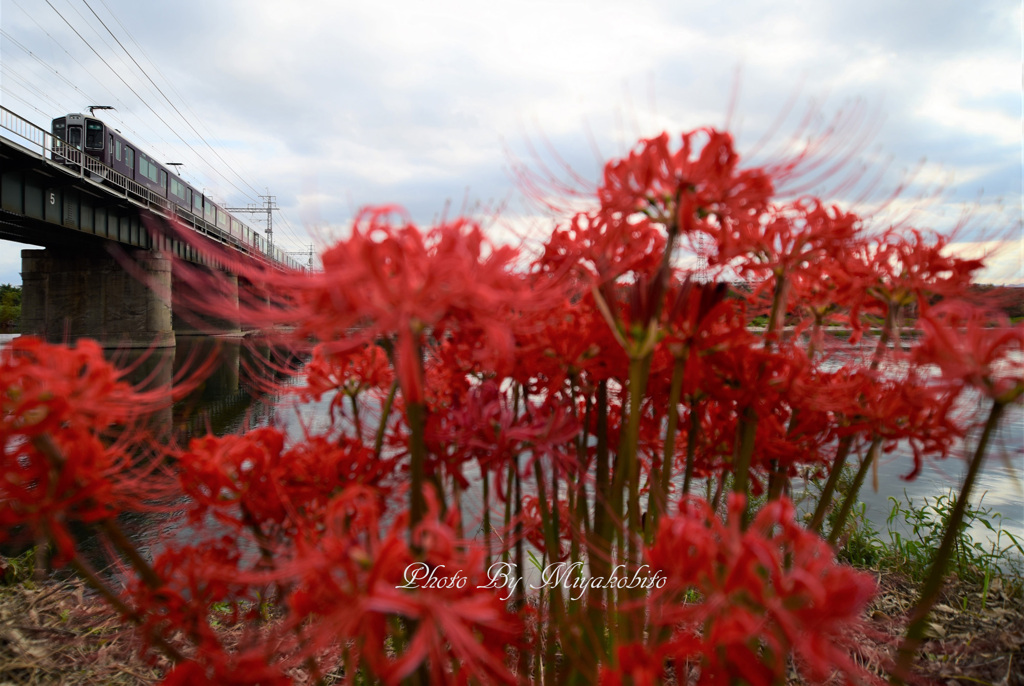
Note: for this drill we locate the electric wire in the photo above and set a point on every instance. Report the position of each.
(170, 86)
(290, 234)
(53, 40)
(134, 92)
(31, 54)
(164, 95)
(20, 80)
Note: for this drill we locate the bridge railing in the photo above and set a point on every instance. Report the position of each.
(70, 158)
(22, 128)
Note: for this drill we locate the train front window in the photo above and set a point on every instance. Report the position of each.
(59, 128)
(93, 134)
(75, 136)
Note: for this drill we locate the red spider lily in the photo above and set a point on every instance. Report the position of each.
(752, 376)
(49, 388)
(685, 187)
(70, 450)
(918, 412)
(821, 299)
(568, 342)
(252, 480)
(820, 407)
(699, 314)
(477, 427)
(457, 629)
(393, 279)
(530, 523)
(599, 250)
(974, 348)
(770, 589)
(791, 238)
(902, 266)
(485, 427)
(347, 372)
(448, 368)
(194, 580)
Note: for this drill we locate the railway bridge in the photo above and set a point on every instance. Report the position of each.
(97, 271)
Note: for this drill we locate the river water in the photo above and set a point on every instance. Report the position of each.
(235, 396)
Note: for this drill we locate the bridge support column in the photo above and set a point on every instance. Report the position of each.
(71, 295)
(218, 289)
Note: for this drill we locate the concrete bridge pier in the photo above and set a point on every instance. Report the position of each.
(87, 293)
(219, 288)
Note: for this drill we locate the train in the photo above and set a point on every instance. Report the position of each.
(80, 132)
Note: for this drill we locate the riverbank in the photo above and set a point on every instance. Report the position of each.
(58, 633)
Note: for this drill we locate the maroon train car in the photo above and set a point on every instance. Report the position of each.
(75, 134)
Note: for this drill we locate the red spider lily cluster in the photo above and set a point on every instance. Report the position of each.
(505, 491)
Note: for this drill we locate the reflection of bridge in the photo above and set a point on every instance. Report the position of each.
(78, 210)
(239, 388)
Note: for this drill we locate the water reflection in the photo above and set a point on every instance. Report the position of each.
(999, 486)
(234, 384)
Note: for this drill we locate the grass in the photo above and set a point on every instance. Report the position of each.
(973, 562)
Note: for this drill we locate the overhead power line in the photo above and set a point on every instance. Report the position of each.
(134, 92)
(164, 95)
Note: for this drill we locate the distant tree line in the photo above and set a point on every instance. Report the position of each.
(1010, 299)
(10, 308)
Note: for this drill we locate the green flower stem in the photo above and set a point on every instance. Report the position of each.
(487, 518)
(600, 554)
(638, 373)
(936, 575)
(555, 604)
(417, 457)
(851, 497)
(626, 467)
(691, 446)
(657, 494)
(355, 416)
(841, 454)
(746, 432)
(842, 450)
(778, 303)
(378, 442)
(520, 597)
(126, 548)
(883, 339)
(599, 542)
(511, 481)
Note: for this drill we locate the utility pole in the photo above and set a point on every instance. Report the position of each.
(268, 206)
(308, 253)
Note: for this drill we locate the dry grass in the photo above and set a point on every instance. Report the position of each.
(974, 637)
(57, 633)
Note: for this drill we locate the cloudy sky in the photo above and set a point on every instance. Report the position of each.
(332, 105)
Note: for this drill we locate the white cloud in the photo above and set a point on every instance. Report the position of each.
(332, 105)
